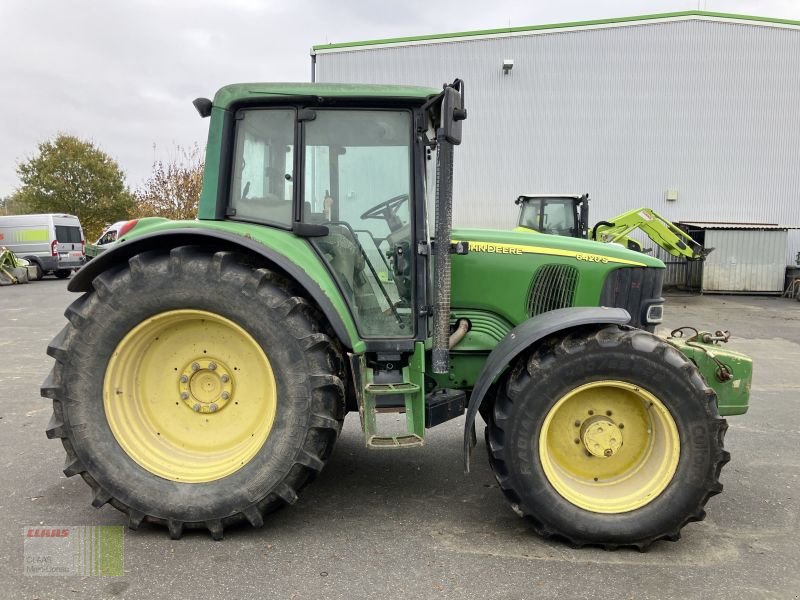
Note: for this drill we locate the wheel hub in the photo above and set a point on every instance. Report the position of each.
(205, 385)
(165, 388)
(601, 437)
(587, 424)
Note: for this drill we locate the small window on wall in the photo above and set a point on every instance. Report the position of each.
(262, 177)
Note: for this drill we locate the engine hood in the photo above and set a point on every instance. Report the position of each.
(495, 241)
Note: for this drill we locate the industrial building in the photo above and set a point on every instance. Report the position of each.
(694, 114)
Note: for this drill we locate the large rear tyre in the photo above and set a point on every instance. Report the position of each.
(607, 437)
(191, 390)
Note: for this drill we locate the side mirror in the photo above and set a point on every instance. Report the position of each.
(203, 106)
(453, 112)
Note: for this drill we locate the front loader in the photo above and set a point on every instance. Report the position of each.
(207, 366)
(568, 214)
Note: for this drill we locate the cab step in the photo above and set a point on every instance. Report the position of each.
(440, 406)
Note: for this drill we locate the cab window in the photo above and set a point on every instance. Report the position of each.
(261, 178)
(107, 238)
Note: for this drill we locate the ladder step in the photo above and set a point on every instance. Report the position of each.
(383, 389)
(391, 442)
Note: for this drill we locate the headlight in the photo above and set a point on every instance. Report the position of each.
(655, 314)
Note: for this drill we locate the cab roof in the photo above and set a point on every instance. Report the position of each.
(239, 92)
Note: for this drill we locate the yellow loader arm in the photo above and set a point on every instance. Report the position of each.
(657, 228)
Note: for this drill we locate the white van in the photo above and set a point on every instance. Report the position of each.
(53, 242)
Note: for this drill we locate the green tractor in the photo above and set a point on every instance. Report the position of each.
(568, 214)
(206, 369)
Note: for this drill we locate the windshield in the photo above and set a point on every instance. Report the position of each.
(556, 216)
(357, 180)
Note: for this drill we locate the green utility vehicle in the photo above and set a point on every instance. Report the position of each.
(566, 214)
(108, 238)
(207, 367)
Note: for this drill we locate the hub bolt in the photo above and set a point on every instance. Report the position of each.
(184, 395)
(213, 408)
(196, 407)
(577, 423)
(195, 366)
(184, 379)
(212, 366)
(225, 395)
(225, 379)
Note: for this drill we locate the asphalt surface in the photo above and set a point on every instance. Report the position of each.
(411, 524)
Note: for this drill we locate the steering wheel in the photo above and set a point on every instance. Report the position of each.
(387, 211)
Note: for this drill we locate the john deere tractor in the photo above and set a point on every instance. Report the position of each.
(206, 368)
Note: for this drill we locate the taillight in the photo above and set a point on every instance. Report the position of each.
(83, 247)
(127, 227)
(53, 250)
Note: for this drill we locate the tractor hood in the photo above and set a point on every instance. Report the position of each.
(532, 242)
(508, 277)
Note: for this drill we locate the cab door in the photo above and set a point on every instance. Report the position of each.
(357, 169)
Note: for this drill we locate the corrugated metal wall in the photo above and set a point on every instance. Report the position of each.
(744, 261)
(624, 113)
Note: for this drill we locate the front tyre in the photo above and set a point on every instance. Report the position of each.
(607, 437)
(192, 390)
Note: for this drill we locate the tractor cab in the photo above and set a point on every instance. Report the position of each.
(556, 214)
(355, 180)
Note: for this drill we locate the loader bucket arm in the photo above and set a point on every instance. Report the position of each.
(658, 229)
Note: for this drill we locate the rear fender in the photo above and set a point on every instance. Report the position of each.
(172, 238)
(522, 337)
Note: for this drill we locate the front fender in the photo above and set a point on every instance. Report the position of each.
(171, 238)
(522, 337)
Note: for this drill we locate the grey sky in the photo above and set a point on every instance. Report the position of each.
(123, 72)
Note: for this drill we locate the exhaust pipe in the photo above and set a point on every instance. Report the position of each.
(444, 225)
(447, 136)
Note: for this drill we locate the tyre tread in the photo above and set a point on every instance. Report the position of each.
(306, 324)
(519, 377)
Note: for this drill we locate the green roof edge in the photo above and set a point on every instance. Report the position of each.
(486, 32)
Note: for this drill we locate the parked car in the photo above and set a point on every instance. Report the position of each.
(52, 242)
(106, 240)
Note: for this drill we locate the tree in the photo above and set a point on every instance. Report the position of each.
(74, 176)
(12, 205)
(173, 190)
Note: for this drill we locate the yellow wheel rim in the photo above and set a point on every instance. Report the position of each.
(190, 396)
(609, 447)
